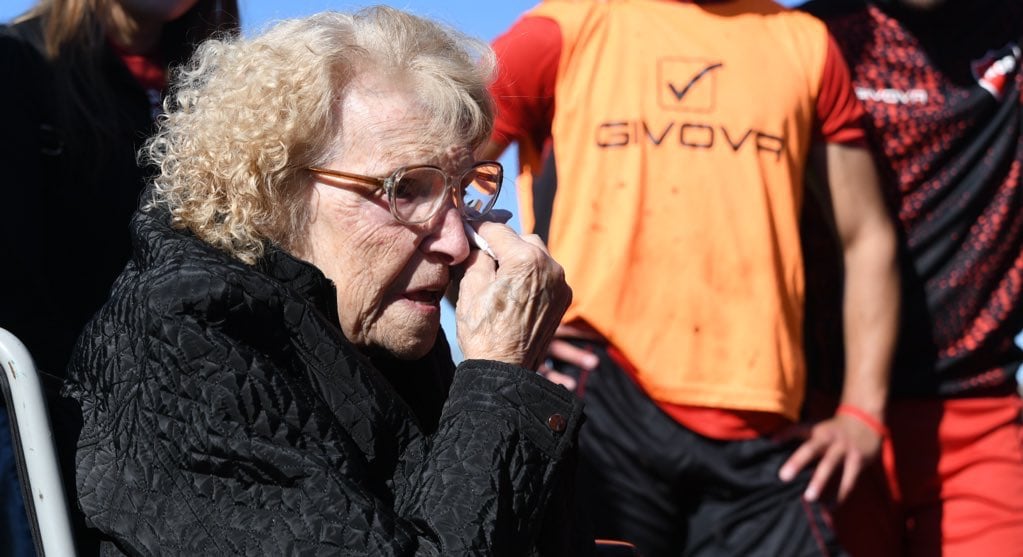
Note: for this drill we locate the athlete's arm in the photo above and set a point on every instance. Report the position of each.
(492, 149)
(528, 54)
(845, 443)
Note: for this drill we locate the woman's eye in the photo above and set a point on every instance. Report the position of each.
(407, 189)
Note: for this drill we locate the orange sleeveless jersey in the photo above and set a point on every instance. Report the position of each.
(681, 135)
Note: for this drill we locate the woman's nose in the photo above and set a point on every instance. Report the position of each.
(448, 239)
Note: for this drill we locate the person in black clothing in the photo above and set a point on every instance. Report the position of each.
(941, 84)
(84, 86)
(269, 376)
(83, 82)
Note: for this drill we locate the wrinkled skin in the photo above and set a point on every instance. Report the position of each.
(510, 312)
(391, 276)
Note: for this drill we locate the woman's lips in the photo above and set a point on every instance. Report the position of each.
(428, 296)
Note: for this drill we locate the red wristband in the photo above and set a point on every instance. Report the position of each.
(864, 417)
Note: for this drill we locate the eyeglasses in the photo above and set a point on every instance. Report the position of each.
(416, 193)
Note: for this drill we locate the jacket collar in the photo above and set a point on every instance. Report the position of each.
(155, 241)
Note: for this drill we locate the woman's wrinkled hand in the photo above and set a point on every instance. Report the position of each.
(509, 311)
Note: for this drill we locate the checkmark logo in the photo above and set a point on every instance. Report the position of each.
(686, 84)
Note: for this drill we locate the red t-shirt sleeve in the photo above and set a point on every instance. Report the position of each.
(839, 113)
(527, 69)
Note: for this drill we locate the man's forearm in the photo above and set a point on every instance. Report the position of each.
(871, 314)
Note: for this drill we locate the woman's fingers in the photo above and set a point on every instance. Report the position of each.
(509, 311)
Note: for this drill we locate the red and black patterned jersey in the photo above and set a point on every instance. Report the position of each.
(942, 94)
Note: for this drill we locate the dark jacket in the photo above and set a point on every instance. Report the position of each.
(67, 196)
(67, 200)
(226, 414)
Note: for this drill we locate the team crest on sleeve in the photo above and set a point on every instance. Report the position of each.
(994, 70)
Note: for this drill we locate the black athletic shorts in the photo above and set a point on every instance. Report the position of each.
(648, 480)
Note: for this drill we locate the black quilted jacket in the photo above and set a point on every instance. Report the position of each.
(226, 414)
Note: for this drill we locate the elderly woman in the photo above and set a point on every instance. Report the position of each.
(268, 376)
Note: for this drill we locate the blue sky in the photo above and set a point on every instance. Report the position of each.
(485, 20)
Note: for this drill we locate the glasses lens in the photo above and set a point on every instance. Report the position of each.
(480, 188)
(417, 193)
